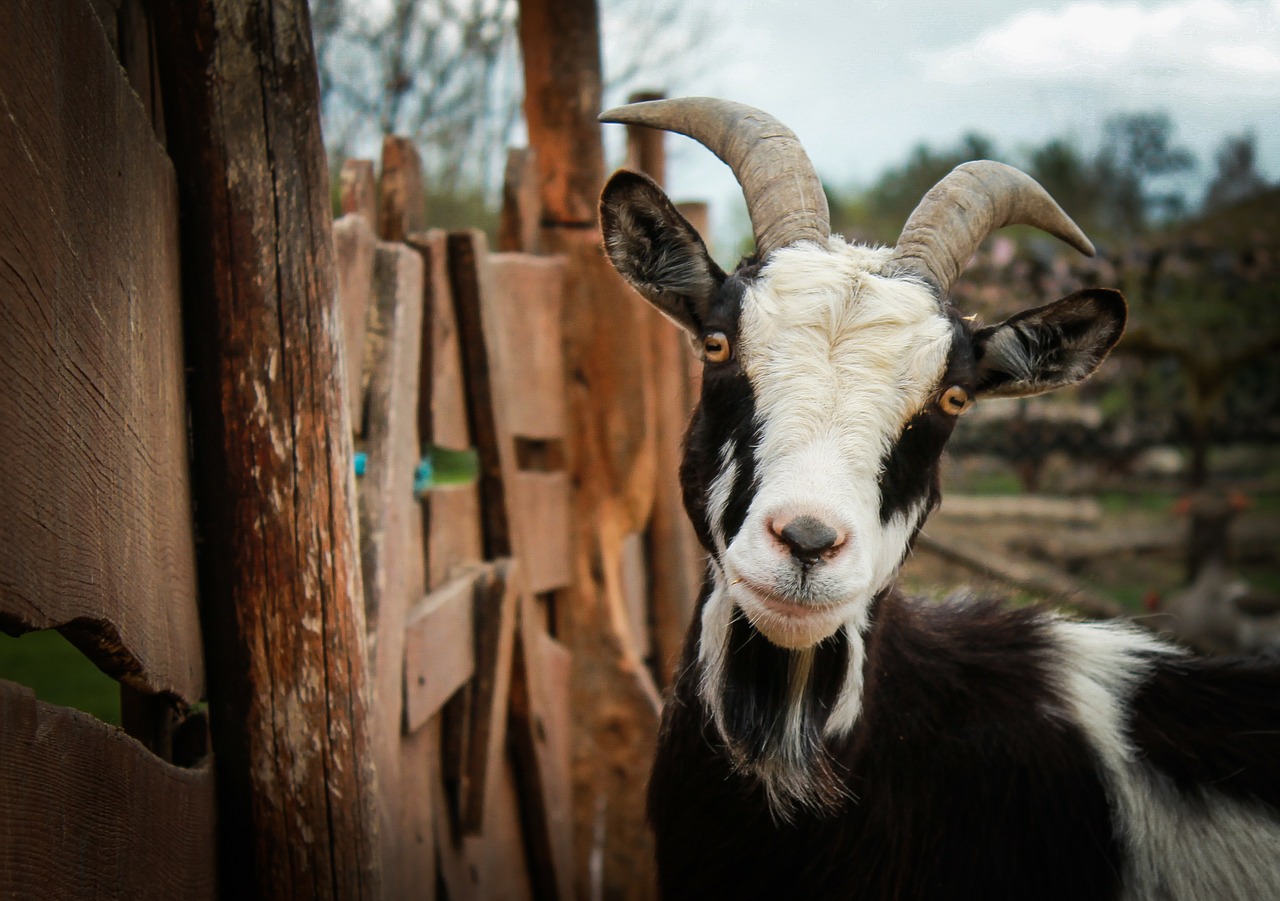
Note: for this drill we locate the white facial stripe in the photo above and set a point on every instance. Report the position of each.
(720, 491)
(839, 359)
(837, 352)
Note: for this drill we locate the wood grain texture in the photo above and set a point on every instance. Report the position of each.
(353, 245)
(522, 312)
(391, 545)
(471, 287)
(455, 538)
(496, 599)
(280, 575)
(542, 732)
(439, 648)
(94, 491)
(87, 812)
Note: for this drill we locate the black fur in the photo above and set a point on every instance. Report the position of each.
(910, 470)
(757, 690)
(1213, 722)
(966, 780)
(725, 412)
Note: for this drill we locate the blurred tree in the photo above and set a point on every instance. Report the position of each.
(1137, 152)
(1236, 177)
(446, 74)
(879, 212)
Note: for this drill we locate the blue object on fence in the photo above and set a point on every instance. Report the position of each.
(439, 467)
(422, 477)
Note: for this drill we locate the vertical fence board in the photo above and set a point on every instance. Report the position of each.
(610, 448)
(94, 490)
(454, 538)
(279, 565)
(391, 535)
(358, 191)
(542, 732)
(354, 244)
(402, 205)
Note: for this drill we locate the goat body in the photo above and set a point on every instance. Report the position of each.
(999, 753)
(829, 738)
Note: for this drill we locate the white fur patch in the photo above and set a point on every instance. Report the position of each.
(840, 358)
(721, 491)
(1175, 851)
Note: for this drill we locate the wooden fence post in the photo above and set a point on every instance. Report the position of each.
(279, 566)
(611, 453)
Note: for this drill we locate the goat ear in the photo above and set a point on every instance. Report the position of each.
(1048, 347)
(656, 249)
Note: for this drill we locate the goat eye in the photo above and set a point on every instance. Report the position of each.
(715, 347)
(954, 401)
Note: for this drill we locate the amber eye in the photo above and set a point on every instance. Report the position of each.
(954, 401)
(715, 347)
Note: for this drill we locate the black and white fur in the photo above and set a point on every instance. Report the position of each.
(828, 737)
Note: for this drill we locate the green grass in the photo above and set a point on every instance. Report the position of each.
(59, 674)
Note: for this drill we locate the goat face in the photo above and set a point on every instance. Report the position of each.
(833, 377)
(830, 387)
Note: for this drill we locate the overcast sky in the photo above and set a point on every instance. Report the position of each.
(862, 82)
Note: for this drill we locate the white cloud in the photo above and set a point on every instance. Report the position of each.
(1201, 48)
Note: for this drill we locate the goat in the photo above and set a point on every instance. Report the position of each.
(827, 736)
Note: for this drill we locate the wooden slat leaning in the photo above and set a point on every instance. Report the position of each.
(86, 811)
(94, 489)
(391, 543)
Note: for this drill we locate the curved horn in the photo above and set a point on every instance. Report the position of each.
(960, 211)
(784, 196)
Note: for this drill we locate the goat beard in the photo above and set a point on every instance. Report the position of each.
(773, 704)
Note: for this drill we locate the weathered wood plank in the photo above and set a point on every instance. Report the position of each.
(541, 739)
(454, 539)
(391, 538)
(469, 280)
(541, 507)
(272, 442)
(402, 208)
(460, 879)
(439, 648)
(94, 491)
(135, 48)
(496, 600)
(610, 448)
(522, 326)
(353, 245)
(520, 227)
(358, 191)
(499, 857)
(87, 812)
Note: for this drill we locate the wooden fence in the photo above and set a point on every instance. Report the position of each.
(515, 626)
(459, 348)
(94, 490)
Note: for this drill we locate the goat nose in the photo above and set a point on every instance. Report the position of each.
(808, 538)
